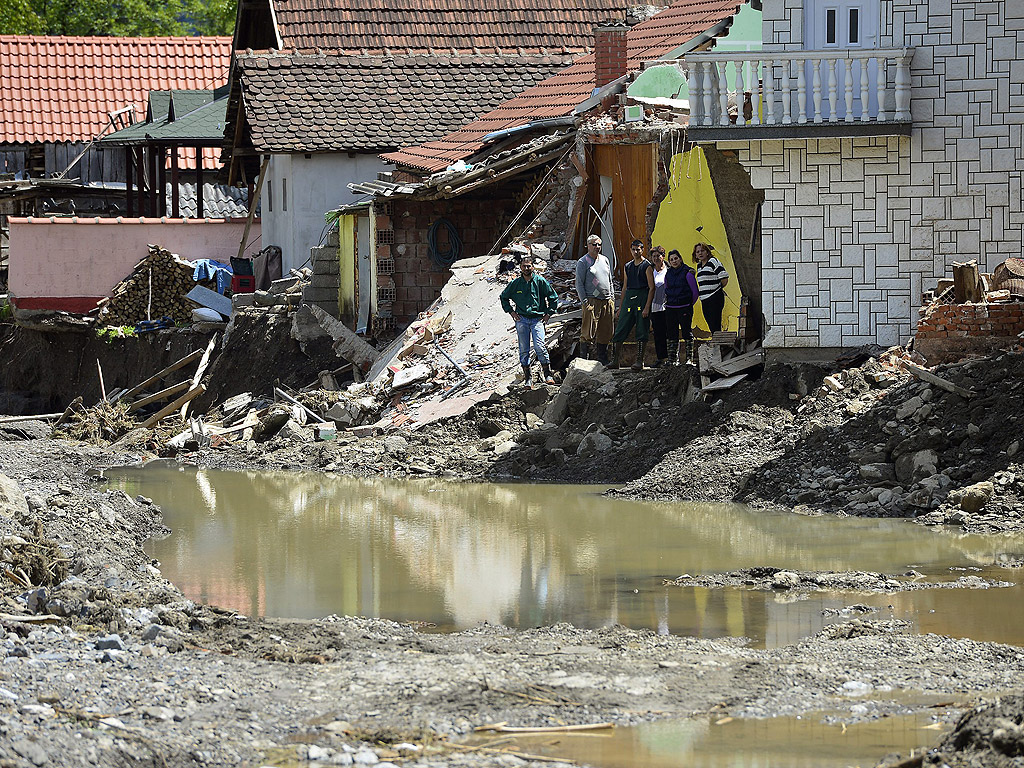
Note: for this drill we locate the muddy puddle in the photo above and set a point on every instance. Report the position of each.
(718, 742)
(452, 555)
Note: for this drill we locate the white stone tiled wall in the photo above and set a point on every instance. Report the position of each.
(854, 229)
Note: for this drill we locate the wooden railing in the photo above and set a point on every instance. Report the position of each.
(798, 87)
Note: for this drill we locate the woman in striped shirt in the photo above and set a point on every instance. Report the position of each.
(711, 280)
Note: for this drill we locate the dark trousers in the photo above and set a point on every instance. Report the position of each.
(678, 321)
(631, 314)
(658, 327)
(712, 307)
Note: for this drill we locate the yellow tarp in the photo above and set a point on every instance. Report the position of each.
(691, 203)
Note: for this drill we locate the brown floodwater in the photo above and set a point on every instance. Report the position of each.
(452, 555)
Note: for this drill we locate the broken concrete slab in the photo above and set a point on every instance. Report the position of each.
(204, 297)
(582, 374)
(409, 376)
(346, 344)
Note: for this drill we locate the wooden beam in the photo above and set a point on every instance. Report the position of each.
(163, 373)
(167, 410)
(199, 182)
(128, 182)
(925, 375)
(175, 182)
(201, 370)
(741, 363)
(252, 205)
(156, 397)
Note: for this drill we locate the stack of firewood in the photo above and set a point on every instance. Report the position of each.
(154, 289)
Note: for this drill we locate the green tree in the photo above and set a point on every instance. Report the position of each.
(120, 18)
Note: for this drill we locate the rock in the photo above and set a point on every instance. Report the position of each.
(909, 408)
(316, 752)
(1013, 448)
(915, 466)
(785, 580)
(37, 599)
(110, 642)
(36, 503)
(408, 376)
(877, 473)
(338, 726)
(271, 424)
(533, 420)
(31, 751)
(582, 374)
(593, 444)
(162, 714)
(396, 445)
(366, 757)
(636, 417)
(343, 413)
(489, 427)
(832, 383)
(503, 448)
(294, 431)
(12, 500)
(974, 497)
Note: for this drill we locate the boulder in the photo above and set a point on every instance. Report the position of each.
(593, 444)
(292, 430)
(635, 417)
(877, 473)
(911, 467)
(396, 445)
(974, 497)
(12, 499)
(581, 375)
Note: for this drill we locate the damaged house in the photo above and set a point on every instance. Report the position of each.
(323, 89)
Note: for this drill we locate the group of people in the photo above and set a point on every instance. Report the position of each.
(659, 294)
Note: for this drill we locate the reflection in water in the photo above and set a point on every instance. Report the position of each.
(771, 743)
(308, 545)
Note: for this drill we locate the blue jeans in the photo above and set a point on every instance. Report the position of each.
(527, 327)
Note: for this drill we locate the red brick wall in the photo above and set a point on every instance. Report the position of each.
(961, 321)
(417, 280)
(610, 58)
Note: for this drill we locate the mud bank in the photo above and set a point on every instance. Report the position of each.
(110, 665)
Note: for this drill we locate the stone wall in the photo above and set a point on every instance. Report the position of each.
(854, 228)
(949, 331)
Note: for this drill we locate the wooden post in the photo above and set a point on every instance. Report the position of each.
(253, 200)
(199, 182)
(174, 182)
(966, 282)
(151, 206)
(128, 180)
(162, 175)
(140, 173)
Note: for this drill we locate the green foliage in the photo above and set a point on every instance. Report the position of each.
(111, 332)
(6, 311)
(120, 18)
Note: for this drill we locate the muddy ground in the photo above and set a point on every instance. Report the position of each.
(107, 664)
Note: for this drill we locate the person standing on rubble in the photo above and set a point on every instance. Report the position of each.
(658, 325)
(597, 295)
(636, 306)
(535, 301)
(712, 279)
(681, 294)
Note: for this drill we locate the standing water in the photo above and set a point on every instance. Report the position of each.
(450, 556)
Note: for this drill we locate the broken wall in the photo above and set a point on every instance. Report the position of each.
(949, 332)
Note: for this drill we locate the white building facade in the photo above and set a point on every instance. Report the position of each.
(888, 138)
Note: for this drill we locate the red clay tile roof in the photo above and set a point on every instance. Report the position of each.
(559, 95)
(373, 103)
(61, 88)
(355, 26)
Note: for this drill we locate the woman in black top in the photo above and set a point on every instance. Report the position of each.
(636, 305)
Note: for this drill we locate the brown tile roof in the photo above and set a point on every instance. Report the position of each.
(358, 26)
(297, 103)
(61, 88)
(559, 95)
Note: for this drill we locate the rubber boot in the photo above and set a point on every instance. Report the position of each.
(691, 353)
(527, 378)
(602, 354)
(639, 364)
(585, 350)
(548, 376)
(673, 354)
(616, 355)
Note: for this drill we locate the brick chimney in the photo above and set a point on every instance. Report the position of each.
(610, 59)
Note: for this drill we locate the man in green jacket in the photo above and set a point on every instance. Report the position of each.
(534, 302)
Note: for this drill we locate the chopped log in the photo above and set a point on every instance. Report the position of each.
(163, 374)
(925, 375)
(167, 410)
(156, 397)
(966, 282)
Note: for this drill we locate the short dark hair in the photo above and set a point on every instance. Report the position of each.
(636, 243)
(526, 257)
(676, 252)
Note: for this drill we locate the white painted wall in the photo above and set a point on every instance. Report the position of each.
(854, 229)
(300, 189)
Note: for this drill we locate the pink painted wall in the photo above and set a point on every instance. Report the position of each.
(71, 263)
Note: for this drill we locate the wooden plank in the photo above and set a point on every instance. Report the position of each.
(736, 364)
(36, 417)
(201, 370)
(726, 383)
(723, 338)
(164, 373)
(925, 375)
(167, 410)
(156, 397)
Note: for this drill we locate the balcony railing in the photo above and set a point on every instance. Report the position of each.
(799, 88)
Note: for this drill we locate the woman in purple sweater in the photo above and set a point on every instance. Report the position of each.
(681, 294)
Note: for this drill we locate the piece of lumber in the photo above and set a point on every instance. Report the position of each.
(726, 338)
(502, 728)
(73, 406)
(722, 384)
(203, 363)
(204, 297)
(740, 363)
(103, 387)
(156, 397)
(167, 410)
(37, 417)
(164, 373)
(925, 375)
(285, 396)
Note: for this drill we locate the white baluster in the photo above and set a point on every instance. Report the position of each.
(833, 90)
(816, 85)
(801, 91)
(723, 94)
(865, 76)
(787, 96)
(769, 91)
(755, 92)
(741, 92)
(706, 91)
(693, 93)
(848, 70)
(903, 88)
(880, 89)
